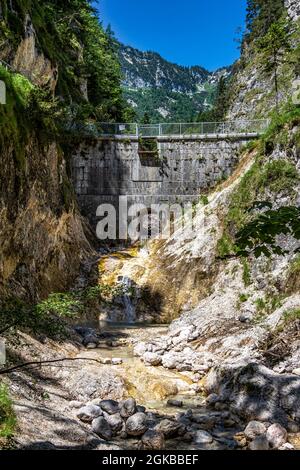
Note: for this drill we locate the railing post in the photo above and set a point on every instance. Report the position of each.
(159, 130)
(137, 129)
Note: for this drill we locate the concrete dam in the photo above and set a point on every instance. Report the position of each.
(152, 169)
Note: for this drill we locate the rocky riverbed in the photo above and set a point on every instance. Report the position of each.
(119, 402)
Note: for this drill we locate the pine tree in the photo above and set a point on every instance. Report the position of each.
(273, 48)
(261, 14)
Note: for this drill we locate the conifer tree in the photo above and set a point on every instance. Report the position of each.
(273, 48)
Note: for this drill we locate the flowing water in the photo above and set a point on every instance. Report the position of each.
(130, 312)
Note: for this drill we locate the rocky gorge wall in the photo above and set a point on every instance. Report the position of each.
(42, 234)
(180, 172)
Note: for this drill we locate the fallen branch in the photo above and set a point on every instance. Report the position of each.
(42, 363)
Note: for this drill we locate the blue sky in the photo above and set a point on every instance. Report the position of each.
(190, 32)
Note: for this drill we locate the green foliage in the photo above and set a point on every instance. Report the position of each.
(295, 266)
(266, 306)
(61, 304)
(50, 316)
(261, 14)
(291, 315)
(179, 107)
(275, 176)
(251, 226)
(204, 199)
(225, 246)
(71, 36)
(246, 272)
(273, 48)
(221, 103)
(277, 132)
(243, 298)
(7, 415)
(259, 235)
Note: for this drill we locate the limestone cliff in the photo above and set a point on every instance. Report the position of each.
(252, 89)
(41, 231)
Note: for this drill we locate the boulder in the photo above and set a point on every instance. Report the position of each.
(102, 428)
(173, 402)
(168, 428)
(136, 424)
(152, 359)
(212, 399)
(276, 435)
(110, 406)
(115, 421)
(88, 413)
(90, 341)
(286, 446)
(153, 440)
(129, 408)
(140, 349)
(203, 437)
(259, 443)
(254, 429)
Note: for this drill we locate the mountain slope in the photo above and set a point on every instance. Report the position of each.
(164, 90)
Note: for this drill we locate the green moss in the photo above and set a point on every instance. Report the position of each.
(7, 415)
(295, 266)
(225, 246)
(14, 127)
(246, 272)
(204, 199)
(266, 306)
(243, 298)
(291, 315)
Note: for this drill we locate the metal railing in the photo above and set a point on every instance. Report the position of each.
(243, 127)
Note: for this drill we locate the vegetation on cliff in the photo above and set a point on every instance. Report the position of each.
(70, 36)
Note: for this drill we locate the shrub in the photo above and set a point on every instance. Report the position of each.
(7, 415)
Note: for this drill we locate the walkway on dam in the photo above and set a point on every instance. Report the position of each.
(192, 130)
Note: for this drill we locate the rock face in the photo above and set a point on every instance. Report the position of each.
(43, 244)
(181, 90)
(293, 9)
(258, 392)
(32, 63)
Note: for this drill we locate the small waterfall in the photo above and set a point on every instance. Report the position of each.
(130, 313)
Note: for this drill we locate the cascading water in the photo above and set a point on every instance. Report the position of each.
(130, 313)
